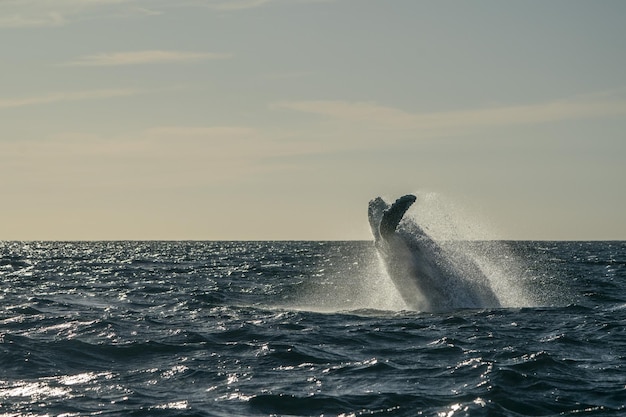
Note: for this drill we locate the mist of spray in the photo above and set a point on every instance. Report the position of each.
(358, 280)
(352, 281)
(466, 236)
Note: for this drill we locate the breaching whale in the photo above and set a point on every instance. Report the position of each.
(427, 277)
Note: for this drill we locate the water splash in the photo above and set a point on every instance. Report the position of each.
(347, 281)
(445, 219)
(356, 279)
(467, 237)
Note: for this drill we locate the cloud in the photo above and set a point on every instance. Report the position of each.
(202, 131)
(373, 114)
(158, 157)
(20, 20)
(66, 96)
(351, 111)
(235, 5)
(47, 13)
(142, 57)
(41, 13)
(238, 5)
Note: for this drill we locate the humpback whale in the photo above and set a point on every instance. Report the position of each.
(428, 277)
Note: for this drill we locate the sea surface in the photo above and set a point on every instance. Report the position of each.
(305, 329)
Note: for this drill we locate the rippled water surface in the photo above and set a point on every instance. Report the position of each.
(304, 328)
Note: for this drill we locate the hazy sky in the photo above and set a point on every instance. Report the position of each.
(281, 119)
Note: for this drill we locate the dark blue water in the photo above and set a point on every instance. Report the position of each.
(304, 328)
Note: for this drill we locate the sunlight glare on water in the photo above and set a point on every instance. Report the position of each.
(234, 328)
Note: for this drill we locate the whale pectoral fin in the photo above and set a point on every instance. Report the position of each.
(393, 215)
(375, 212)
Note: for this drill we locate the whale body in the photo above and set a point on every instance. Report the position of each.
(428, 278)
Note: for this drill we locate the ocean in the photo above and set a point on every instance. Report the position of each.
(178, 328)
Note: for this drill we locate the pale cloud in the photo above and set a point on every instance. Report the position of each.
(157, 157)
(372, 114)
(202, 131)
(235, 5)
(238, 5)
(239, 143)
(20, 20)
(38, 13)
(353, 111)
(46, 13)
(142, 57)
(65, 96)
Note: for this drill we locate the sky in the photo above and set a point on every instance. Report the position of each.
(281, 119)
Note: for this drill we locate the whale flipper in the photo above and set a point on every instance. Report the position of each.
(392, 216)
